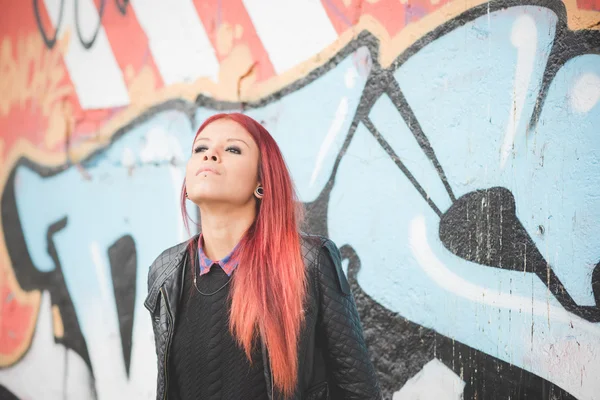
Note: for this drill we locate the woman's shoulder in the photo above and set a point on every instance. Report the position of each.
(312, 246)
(322, 256)
(170, 253)
(166, 259)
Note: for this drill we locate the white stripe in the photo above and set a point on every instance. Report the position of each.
(524, 37)
(178, 41)
(334, 129)
(434, 381)
(101, 269)
(291, 30)
(454, 283)
(579, 344)
(94, 72)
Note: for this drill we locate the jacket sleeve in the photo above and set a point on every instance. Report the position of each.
(351, 373)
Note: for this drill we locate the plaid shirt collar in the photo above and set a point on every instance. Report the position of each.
(228, 264)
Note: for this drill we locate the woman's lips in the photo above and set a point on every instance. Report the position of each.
(206, 169)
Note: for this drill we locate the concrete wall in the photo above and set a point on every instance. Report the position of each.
(451, 149)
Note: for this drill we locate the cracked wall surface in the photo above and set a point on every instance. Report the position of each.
(449, 148)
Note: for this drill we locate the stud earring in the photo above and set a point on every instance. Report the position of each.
(259, 192)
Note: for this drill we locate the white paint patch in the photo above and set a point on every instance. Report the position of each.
(334, 129)
(178, 40)
(455, 284)
(571, 362)
(161, 147)
(291, 31)
(345, 265)
(101, 268)
(97, 78)
(585, 92)
(524, 38)
(434, 382)
(350, 77)
(128, 158)
(48, 369)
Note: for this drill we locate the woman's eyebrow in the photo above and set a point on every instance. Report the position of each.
(201, 138)
(229, 140)
(238, 140)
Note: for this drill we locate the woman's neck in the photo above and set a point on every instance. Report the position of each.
(223, 228)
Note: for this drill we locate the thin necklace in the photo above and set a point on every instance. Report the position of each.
(216, 291)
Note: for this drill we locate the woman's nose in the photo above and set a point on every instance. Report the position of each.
(211, 154)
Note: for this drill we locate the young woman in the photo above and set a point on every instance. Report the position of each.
(252, 308)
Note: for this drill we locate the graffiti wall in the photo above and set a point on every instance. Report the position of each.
(451, 149)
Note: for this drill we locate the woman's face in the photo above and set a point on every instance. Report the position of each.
(224, 164)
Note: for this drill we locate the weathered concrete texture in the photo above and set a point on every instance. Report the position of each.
(401, 349)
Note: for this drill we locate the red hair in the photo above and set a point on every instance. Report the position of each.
(270, 284)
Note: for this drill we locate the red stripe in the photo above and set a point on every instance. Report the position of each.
(393, 15)
(341, 16)
(222, 19)
(16, 321)
(129, 44)
(592, 5)
(32, 75)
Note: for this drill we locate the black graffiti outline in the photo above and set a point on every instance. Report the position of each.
(26, 274)
(558, 57)
(88, 44)
(582, 39)
(123, 273)
(6, 394)
(29, 277)
(542, 269)
(122, 6)
(398, 161)
(50, 42)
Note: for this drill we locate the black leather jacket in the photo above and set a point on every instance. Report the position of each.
(333, 358)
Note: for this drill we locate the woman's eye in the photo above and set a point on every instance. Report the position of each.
(200, 149)
(234, 150)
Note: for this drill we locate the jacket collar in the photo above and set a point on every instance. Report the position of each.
(173, 263)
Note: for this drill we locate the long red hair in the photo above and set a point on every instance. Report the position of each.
(269, 286)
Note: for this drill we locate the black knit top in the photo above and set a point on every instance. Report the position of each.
(204, 360)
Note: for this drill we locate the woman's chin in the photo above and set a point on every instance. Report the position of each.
(206, 191)
(208, 197)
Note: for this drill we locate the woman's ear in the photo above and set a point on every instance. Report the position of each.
(259, 191)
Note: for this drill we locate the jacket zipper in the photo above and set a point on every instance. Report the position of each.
(168, 341)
